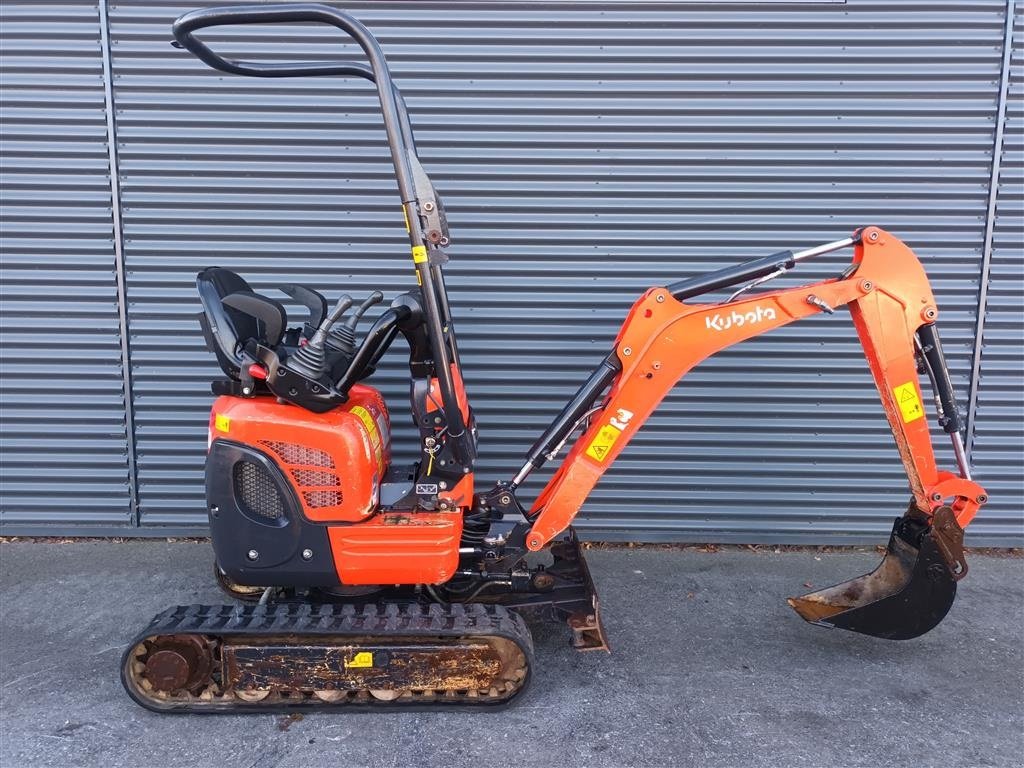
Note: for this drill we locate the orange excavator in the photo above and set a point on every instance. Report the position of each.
(360, 582)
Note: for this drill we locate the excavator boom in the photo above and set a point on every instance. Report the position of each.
(894, 313)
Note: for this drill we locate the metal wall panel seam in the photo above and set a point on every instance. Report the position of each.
(990, 220)
(122, 293)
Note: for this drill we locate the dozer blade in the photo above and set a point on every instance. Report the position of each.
(908, 594)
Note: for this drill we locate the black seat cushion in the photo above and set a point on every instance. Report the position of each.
(271, 317)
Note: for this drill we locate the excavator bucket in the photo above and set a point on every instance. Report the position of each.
(910, 591)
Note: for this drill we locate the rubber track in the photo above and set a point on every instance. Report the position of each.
(385, 620)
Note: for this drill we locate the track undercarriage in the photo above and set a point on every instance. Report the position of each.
(293, 656)
(464, 644)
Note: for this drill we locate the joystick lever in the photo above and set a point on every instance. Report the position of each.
(310, 360)
(343, 338)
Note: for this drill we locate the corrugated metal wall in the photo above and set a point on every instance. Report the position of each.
(64, 444)
(587, 151)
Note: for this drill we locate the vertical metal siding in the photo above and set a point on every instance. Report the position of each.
(999, 437)
(64, 444)
(586, 151)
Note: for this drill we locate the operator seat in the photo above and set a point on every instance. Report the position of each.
(233, 314)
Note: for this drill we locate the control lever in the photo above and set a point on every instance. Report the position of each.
(310, 360)
(343, 337)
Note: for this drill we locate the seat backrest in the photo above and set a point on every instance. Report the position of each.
(226, 329)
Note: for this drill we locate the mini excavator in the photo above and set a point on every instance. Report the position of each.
(362, 583)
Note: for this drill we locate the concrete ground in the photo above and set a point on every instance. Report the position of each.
(709, 668)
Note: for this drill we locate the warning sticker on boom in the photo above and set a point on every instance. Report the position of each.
(603, 441)
(908, 401)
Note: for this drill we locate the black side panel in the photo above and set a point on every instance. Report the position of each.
(252, 508)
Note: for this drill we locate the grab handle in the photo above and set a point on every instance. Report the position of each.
(396, 120)
(203, 18)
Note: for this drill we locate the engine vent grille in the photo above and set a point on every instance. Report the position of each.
(256, 491)
(291, 453)
(324, 498)
(315, 477)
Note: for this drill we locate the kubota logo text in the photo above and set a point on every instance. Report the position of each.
(717, 322)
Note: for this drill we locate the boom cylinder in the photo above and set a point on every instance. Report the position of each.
(564, 423)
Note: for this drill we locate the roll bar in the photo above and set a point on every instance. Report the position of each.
(400, 142)
(396, 117)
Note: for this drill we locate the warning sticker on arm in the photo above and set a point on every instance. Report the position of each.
(909, 402)
(603, 441)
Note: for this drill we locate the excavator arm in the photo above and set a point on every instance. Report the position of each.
(894, 312)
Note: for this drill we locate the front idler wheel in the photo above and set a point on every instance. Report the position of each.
(175, 664)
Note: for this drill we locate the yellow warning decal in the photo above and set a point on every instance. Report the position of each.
(405, 215)
(602, 443)
(369, 422)
(222, 423)
(363, 659)
(908, 401)
(419, 254)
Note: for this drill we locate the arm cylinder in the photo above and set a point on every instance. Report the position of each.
(723, 278)
(931, 348)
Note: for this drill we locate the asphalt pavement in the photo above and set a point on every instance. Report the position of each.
(709, 667)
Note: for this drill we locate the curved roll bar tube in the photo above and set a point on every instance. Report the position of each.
(392, 105)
